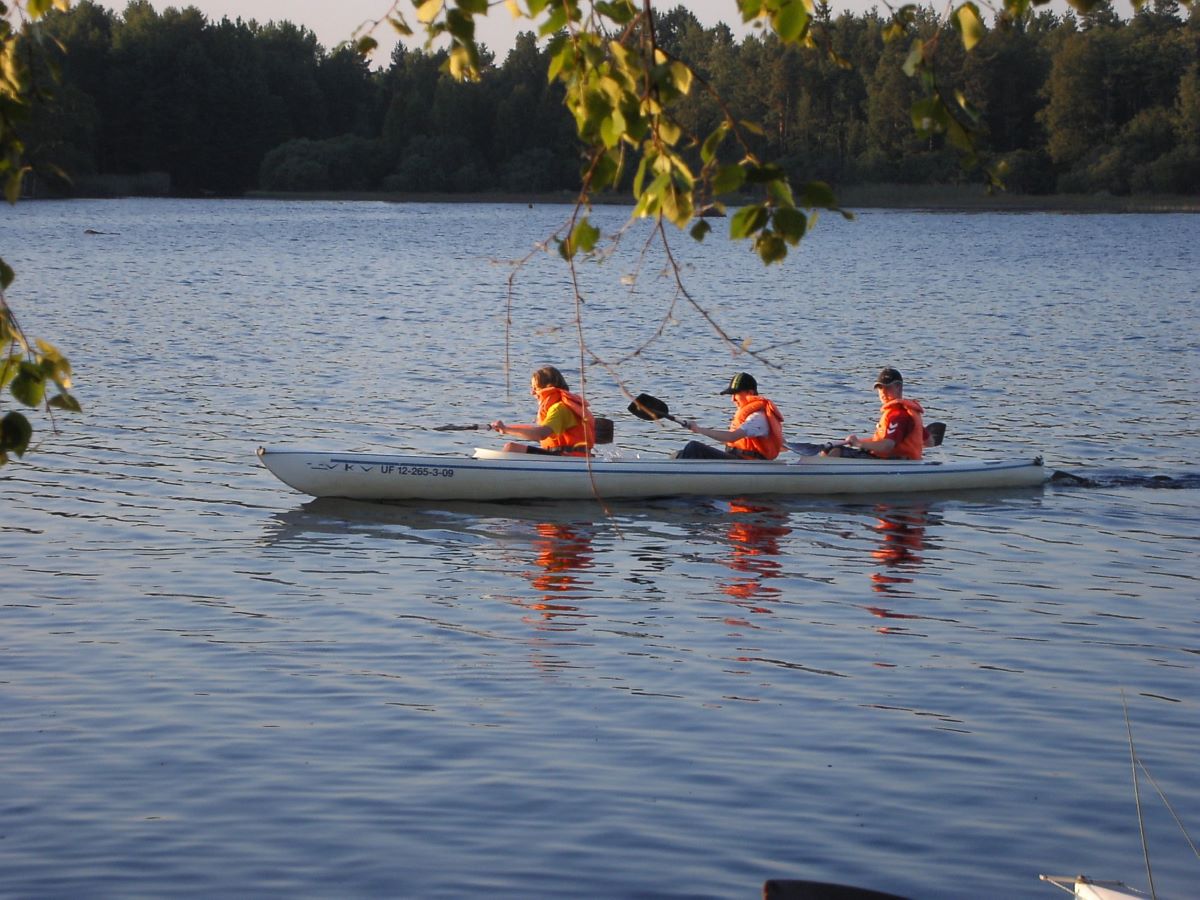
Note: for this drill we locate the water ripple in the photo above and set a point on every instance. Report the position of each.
(213, 685)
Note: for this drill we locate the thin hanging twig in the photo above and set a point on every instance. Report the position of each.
(1137, 796)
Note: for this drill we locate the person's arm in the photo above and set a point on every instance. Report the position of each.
(883, 445)
(717, 434)
(897, 429)
(558, 419)
(524, 432)
(755, 426)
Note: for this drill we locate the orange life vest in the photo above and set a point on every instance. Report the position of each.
(912, 445)
(767, 447)
(580, 436)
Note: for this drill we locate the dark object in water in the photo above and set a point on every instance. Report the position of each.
(1061, 477)
(781, 889)
(1109, 478)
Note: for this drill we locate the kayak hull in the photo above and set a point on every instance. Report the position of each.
(493, 475)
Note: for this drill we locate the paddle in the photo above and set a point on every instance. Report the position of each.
(935, 433)
(604, 429)
(651, 409)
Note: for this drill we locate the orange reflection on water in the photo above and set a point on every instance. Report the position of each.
(901, 545)
(561, 552)
(900, 553)
(754, 547)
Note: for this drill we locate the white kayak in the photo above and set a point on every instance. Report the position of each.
(495, 475)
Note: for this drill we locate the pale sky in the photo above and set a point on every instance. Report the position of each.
(334, 21)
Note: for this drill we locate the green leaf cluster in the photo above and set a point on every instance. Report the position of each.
(452, 19)
(624, 90)
(582, 239)
(937, 111)
(25, 371)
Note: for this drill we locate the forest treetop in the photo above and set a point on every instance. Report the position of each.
(1067, 104)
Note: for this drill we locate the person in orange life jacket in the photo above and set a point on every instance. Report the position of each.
(900, 433)
(564, 425)
(755, 432)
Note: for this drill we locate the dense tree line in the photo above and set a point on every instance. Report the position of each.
(1075, 104)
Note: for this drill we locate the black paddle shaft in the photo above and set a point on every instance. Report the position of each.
(603, 435)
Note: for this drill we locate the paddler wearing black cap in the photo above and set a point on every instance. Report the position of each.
(900, 433)
(755, 432)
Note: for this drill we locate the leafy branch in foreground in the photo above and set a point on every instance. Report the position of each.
(623, 91)
(626, 94)
(26, 369)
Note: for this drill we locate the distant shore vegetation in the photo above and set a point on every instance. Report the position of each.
(1086, 112)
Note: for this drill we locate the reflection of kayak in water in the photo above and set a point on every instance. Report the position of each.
(495, 475)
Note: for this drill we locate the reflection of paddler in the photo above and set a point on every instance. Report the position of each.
(754, 544)
(902, 541)
(561, 551)
(902, 538)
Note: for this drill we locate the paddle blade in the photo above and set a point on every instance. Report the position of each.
(935, 433)
(651, 409)
(604, 430)
(458, 427)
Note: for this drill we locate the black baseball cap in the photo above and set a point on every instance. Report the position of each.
(742, 381)
(888, 376)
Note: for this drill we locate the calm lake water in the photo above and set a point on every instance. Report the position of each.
(211, 685)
